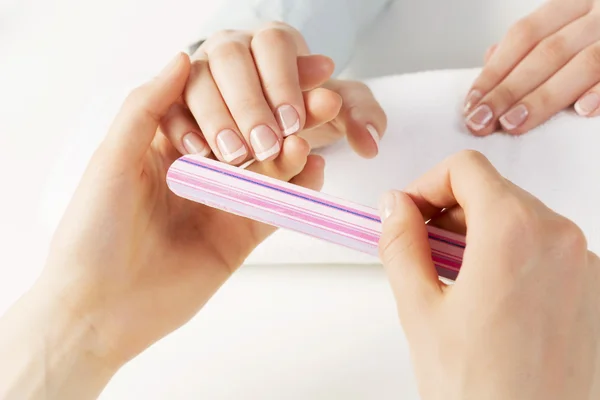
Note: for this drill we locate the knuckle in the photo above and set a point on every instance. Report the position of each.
(137, 102)
(229, 50)
(524, 31)
(569, 237)
(248, 104)
(505, 95)
(273, 37)
(554, 48)
(470, 157)
(592, 59)
(395, 243)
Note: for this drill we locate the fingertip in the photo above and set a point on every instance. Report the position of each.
(322, 106)
(314, 70)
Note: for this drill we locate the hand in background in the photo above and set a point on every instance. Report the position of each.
(547, 62)
(522, 320)
(249, 90)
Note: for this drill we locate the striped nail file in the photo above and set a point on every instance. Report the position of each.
(292, 207)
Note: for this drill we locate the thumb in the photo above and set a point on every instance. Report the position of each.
(405, 252)
(135, 126)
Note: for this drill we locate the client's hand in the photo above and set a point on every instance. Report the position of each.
(133, 259)
(523, 318)
(249, 90)
(547, 62)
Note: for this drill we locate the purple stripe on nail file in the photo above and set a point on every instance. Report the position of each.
(292, 207)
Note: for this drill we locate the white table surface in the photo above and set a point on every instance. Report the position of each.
(295, 332)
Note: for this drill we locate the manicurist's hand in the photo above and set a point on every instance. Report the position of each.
(130, 261)
(522, 320)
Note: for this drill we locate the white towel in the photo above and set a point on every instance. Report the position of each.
(558, 162)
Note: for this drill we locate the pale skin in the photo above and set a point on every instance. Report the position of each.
(547, 62)
(132, 262)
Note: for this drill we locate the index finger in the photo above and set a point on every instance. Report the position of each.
(467, 179)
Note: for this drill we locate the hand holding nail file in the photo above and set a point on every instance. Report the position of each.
(288, 206)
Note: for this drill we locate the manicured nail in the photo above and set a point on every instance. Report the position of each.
(587, 104)
(195, 145)
(231, 146)
(170, 66)
(387, 203)
(514, 118)
(264, 142)
(289, 121)
(480, 117)
(473, 98)
(374, 134)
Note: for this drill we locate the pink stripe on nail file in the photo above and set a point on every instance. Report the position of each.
(292, 207)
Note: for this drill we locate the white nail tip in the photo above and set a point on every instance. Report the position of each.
(234, 156)
(374, 134)
(292, 129)
(268, 153)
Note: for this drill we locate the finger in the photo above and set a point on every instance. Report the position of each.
(405, 252)
(135, 126)
(520, 40)
(275, 55)
(488, 54)
(212, 115)
(466, 179)
(322, 106)
(559, 92)
(314, 71)
(290, 163)
(552, 54)
(361, 116)
(183, 132)
(589, 104)
(452, 219)
(234, 72)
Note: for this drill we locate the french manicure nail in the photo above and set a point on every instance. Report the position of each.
(288, 118)
(374, 134)
(514, 118)
(473, 98)
(231, 146)
(195, 145)
(264, 142)
(480, 117)
(387, 203)
(587, 104)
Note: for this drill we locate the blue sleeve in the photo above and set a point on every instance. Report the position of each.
(330, 27)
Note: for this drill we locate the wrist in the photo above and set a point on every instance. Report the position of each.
(74, 352)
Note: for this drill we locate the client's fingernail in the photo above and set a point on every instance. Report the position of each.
(264, 142)
(587, 104)
(289, 121)
(473, 98)
(195, 145)
(387, 203)
(480, 117)
(374, 134)
(231, 146)
(514, 118)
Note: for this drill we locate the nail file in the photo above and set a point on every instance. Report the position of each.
(288, 206)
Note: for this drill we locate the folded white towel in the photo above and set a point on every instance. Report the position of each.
(558, 162)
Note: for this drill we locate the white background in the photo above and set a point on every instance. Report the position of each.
(272, 332)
